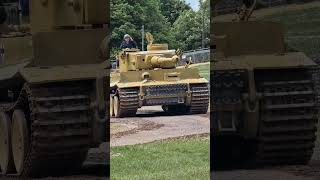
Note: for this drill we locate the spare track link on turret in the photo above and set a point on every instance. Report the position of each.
(58, 117)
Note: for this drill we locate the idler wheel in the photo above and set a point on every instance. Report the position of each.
(20, 139)
(111, 106)
(6, 162)
(116, 106)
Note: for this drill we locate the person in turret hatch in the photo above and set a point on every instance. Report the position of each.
(128, 42)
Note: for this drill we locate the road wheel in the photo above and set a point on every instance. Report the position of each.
(20, 139)
(111, 106)
(116, 107)
(6, 162)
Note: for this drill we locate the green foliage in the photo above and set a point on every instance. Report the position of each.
(170, 21)
(172, 9)
(189, 28)
(128, 16)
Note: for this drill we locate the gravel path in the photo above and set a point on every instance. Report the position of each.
(258, 175)
(309, 172)
(152, 124)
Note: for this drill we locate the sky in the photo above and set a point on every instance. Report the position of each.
(194, 4)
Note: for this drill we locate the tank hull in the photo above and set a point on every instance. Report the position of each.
(170, 88)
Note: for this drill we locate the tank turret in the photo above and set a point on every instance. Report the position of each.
(156, 56)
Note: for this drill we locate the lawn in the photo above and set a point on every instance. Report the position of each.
(185, 158)
(204, 69)
(303, 29)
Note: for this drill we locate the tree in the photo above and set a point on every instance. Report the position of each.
(128, 16)
(205, 13)
(172, 9)
(186, 31)
(191, 28)
(170, 21)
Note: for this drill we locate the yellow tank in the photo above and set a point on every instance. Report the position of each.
(53, 74)
(264, 95)
(150, 78)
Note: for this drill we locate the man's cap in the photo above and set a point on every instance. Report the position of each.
(126, 36)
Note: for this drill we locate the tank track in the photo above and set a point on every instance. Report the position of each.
(58, 117)
(289, 118)
(129, 101)
(199, 99)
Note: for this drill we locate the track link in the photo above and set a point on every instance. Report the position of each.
(289, 118)
(199, 99)
(58, 116)
(129, 101)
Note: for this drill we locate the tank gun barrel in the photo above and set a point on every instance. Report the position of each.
(162, 62)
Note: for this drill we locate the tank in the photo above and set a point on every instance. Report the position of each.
(264, 96)
(152, 78)
(52, 88)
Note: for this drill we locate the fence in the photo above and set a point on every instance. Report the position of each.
(12, 10)
(197, 56)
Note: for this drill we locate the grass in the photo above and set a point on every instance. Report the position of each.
(186, 158)
(204, 70)
(303, 29)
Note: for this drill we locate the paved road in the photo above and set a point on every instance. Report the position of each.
(308, 172)
(152, 124)
(266, 174)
